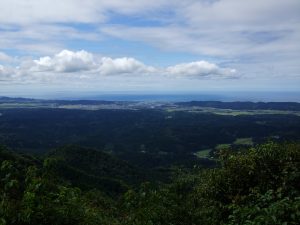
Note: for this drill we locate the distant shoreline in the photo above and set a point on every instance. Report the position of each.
(167, 97)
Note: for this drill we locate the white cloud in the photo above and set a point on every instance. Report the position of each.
(69, 66)
(2, 70)
(66, 62)
(42, 38)
(81, 61)
(35, 11)
(199, 69)
(226, 29)
(5, 58)
(75, 11)
(125, 65)
(6, 73)
(235, 13)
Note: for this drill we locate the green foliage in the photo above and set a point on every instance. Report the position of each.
(266, 209)
(260, 186)
(140, 136)
(29, 196)
(89, 168)
(255, 187)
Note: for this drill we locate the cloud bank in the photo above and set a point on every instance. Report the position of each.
(78, 64)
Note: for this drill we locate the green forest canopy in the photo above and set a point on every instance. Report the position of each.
(258, 186)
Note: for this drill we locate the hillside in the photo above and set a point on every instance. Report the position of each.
(257, 186)
(90, 168)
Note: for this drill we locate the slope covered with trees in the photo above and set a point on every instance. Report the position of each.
(256, 186)
(90, 168)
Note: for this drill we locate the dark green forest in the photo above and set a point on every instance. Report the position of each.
(259, 185)
(164, 166)
(145, 138)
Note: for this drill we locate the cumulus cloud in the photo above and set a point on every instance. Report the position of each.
(81, 61)
(66, 62)
(125, 65)
(70, 66)
(199, 69)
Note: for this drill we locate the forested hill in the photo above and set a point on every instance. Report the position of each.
(90, 168)
(258, 186)
(289, 106)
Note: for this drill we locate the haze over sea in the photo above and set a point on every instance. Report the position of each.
(227, 96)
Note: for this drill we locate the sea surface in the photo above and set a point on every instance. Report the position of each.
(202, 96)
(171, 97)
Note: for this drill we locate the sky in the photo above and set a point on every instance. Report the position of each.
(143, 46)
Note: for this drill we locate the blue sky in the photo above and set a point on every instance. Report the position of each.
(149, 46)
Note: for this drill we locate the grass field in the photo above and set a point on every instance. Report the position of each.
(203, 153)
(231, 112)
(222, 146)
(243, 141)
